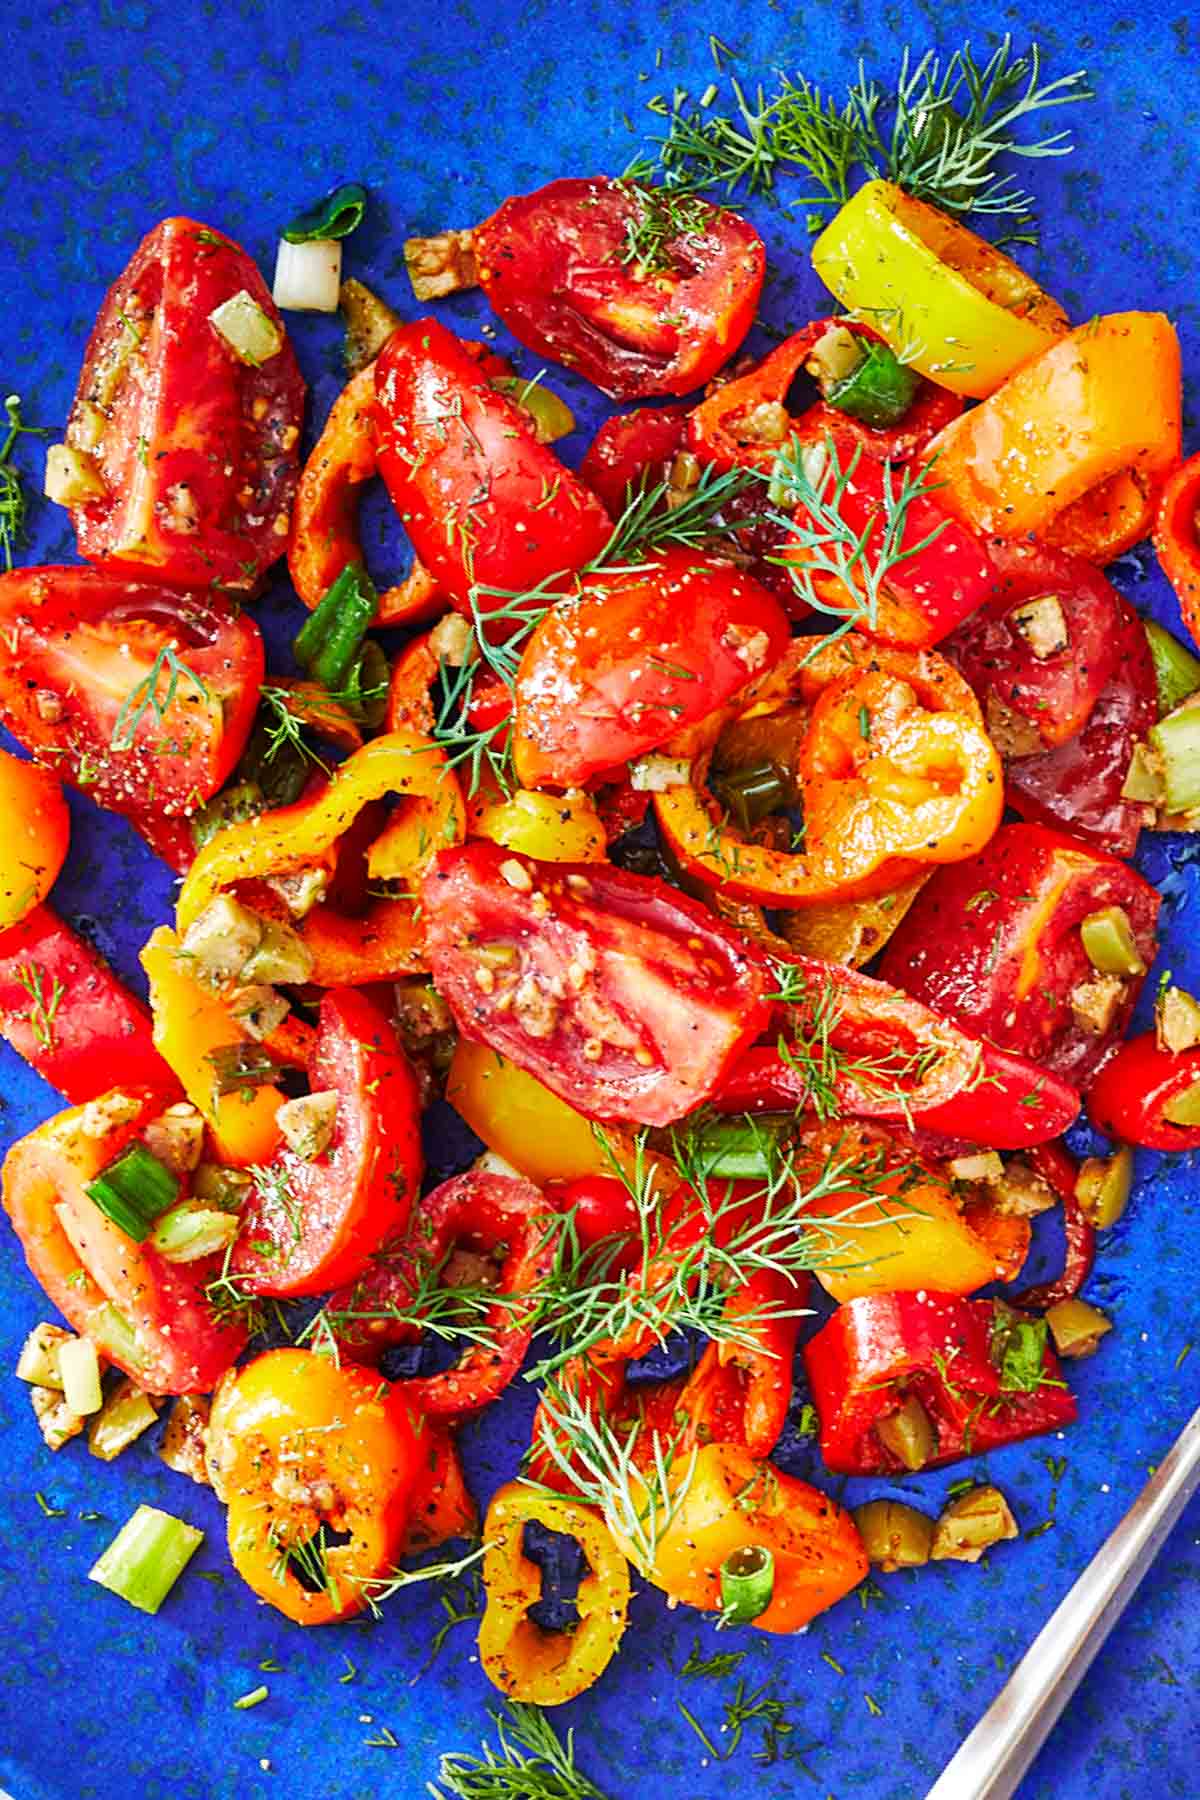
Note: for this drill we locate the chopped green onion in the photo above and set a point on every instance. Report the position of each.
(189, 1231)
(237, 1066)
(747, 1583)
(146, 1558)
(1177, 740)
(126, 1413)
(253, 1698)
(1176, 670)
(1184, 1109)
(133, 1190)
(744, 1149)
(251, 334)
(307, 276)
(38, 1361)
(751, 794)
(79, 1367)
(336, 216)
(879, 391)
(330, 639)
(1109, 943)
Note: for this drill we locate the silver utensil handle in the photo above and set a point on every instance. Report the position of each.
(991, 1761)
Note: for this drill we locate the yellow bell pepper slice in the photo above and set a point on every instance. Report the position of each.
(525, 1123)
(292, 837)
(525, 1662)
(189, 1024)
(552, 827)
(953, 305)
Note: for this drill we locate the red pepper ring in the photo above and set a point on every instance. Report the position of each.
(712, 430)
(1128, 1097)
(481, 1211)
(1057, 1167)
(1177, 539)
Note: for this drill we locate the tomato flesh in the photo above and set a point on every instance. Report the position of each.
(77, 692)
(619, 994)
(199, 451)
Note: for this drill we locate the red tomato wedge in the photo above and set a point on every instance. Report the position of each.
(64, 1010)
(623, 997)
(485, 504)
(311, 1225)
(141, 697)
(561, 267)
(1044, 646)
(639, 655)
(148, 1316)
(632, 451)
(198, 450)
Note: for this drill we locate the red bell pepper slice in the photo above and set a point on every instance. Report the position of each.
(994, 943)
(851, 1046)
(726, 428)
(479, 1211)
(65, 1012)
(880, 1348)
(1059, 1168)
(1077, 786)
(310, 1225)
(632, 451)
(1177, 539)
(1129, 1096)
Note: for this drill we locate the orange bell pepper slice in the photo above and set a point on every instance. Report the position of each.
(325, 535)
(442, 1507)
(1104, 401)
(1177, 539)
(896, 770)
(190, 1023)
(523, 1661)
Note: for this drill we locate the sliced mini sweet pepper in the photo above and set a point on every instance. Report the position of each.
(525, 1661)
(957, 308)
(1102, 401)
(1177, 539)
(895, 771)
(522, 1121)
(1058, 1168)
(909, 1381)
(1149, 1096)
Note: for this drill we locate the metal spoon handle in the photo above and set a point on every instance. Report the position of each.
(991, 1761)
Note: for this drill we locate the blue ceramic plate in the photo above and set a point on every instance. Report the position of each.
(239, 113)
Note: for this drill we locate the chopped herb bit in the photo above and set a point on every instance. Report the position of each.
(254, 1698)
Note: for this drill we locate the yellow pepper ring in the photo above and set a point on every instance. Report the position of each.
(289, 838)
(525, 1662)
(953, 305)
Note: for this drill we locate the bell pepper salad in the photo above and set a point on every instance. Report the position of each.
(732, 824)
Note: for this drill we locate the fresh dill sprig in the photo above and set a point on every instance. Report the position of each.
(284, 728)
(232, 1303)
(45, 998)
(14, 504)
(145, 697)
(938, 132)
(377, 1589)
(647, 525)
(482, 755)
(529, 1762)
(449, 1313)
(462, 1601)
(722, 1662)
(663, 215)
(810, 480)
(309, 1558)
(640, 1496)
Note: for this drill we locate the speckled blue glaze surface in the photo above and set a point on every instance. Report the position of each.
(238, 112)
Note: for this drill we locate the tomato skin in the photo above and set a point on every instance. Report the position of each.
(634, 659)
(1126, 1099)
(551, 264)
(82, 640)
(295, 1444)
(165, 1337)
(1077, 785)
(603, 1206)
(995, 944)
(37, 831)
(631, 451)
(484, 503)
(345, 1203)
(199, 451)
(1054, 695)
(658, 997)
(98, 1032)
